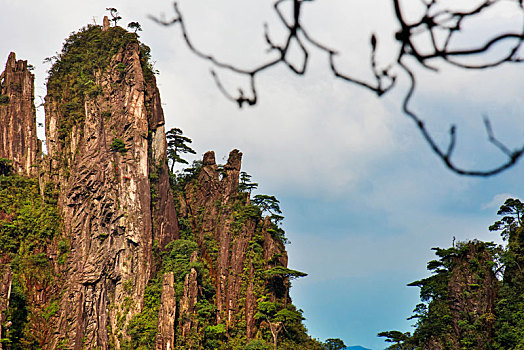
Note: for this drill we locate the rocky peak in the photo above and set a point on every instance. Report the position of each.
(231, 173)
(472, 291)
(105, 25)
(234, 242)
(107, 151)
(18, 139)
(110, 268)
(462, 296)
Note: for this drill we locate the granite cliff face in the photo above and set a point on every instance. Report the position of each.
(471, 294)
(18, 140)
(106, 262)
(111, 171)
(473, 290)
(234, 242)
(459, 301)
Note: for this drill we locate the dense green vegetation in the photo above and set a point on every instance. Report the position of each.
(277, 320)
(510, 304)
(27, 222)
(142, 328)
(464, 306)
(75, 72)
(28, 226)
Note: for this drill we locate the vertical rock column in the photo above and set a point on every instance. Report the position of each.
(165, 227)
(167, 314)
(6, 280)
(18, 139)
(218, 200)
(472, 289)
(108, 169)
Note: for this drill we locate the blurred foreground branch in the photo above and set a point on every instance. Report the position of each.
(437, 24)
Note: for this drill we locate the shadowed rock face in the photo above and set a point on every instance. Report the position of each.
(18, 140)
(115, 201)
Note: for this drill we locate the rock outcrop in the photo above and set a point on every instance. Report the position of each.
(110, 165)
(167, 314)
(97, 256)
(472, 294)
(234, 242)
(461, 313)
(18, 139)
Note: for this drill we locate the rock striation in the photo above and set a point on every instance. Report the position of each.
(105, 248)
(111, 171)
(234, 242)
(18, 139)
(167, 314)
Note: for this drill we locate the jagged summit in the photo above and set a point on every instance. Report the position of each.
(104, 248)
(105, 130)
(18, 140)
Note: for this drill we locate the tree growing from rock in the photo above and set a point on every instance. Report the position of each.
(512, 209)
(245, 184)
(135, 26)
(334, 344)
(267, 203)
(115, 17)
(277, 318)
(177, 144)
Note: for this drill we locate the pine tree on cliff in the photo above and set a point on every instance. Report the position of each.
(115, 17)
(177, 144)
(458, 301)
(510, 305)
(245, 184)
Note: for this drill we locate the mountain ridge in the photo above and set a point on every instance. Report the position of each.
(137, 257)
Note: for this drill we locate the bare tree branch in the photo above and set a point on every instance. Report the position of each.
(434, 23)
(440, 21)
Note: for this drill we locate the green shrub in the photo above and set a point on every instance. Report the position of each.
(118, 146)
(257, 345)
(177, 256)
(32, 222)
(142, 328)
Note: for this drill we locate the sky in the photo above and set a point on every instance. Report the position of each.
(364, 199)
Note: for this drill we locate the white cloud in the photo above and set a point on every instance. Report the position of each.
(497, 201)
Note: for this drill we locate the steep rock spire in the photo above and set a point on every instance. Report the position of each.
(18, 139)
(107, 152)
